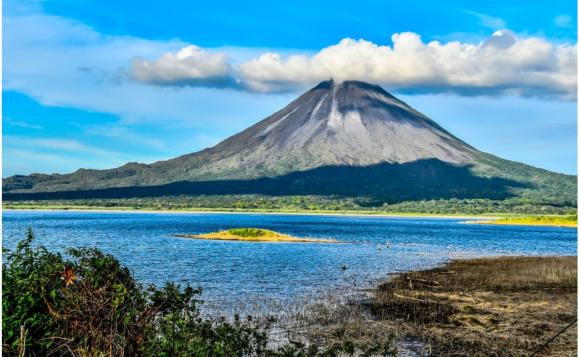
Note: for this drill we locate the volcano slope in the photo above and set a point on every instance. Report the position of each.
(348, 139)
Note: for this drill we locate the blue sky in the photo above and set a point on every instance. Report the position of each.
(96, 84)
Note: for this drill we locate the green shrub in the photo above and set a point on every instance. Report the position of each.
(88, 304)
(250, 232)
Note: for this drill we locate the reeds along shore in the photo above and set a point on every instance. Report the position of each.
(570, 221)
(87, 303)
(507, 306)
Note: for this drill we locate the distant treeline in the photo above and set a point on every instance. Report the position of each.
(516, 205)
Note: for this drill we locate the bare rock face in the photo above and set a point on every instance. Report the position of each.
(349, 123)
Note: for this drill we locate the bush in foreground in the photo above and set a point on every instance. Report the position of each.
(89, 304)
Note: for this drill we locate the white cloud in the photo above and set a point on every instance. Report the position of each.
(84, 69)
(270, 72)
(61, 62)
(189, 66)
(503, 64)
(563, 21)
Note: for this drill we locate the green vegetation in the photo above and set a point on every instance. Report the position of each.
(487, 177)
(540, 186)
(314, 204)
(560, 221)
(251, 232)
(88, 304)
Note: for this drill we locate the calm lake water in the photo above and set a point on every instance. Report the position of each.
(232, 273)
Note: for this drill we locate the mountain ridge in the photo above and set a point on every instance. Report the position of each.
(333, 125)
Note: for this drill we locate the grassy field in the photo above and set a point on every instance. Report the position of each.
(254, 235)
(483, 307)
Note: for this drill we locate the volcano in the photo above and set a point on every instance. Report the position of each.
(348, 139)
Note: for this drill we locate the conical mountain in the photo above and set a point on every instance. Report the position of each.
(349, 123)
(345, 138)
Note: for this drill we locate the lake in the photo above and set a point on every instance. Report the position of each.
(233, 274)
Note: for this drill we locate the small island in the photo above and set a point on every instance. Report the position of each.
(254, 235)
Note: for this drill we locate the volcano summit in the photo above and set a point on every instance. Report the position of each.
(347, 139)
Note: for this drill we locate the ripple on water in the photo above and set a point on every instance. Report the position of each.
(236, 274)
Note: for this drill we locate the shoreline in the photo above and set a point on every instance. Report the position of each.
(287, 239)
(476, 306)
(265, 212)
(491, 219)
(530, 224)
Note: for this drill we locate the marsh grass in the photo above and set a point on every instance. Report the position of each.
(505, 306)
(501, 274)
(562, 221)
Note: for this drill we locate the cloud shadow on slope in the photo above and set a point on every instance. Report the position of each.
(419, 180)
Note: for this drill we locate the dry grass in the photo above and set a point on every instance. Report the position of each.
(505, 306)
(501, 274)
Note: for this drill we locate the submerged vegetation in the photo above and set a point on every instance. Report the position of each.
(87, 304)
(254, 235)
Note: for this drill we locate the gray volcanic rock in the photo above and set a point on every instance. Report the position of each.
(349, 123)
(333, 125)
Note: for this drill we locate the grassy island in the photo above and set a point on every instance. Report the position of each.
(254, 235)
